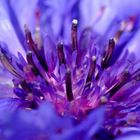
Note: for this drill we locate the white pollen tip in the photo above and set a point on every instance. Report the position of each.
(75, 21)
(68, 71)
(37, 28)
(41, 98)
(103, 99)
(61, 43)
(93, 58)
(29, 52)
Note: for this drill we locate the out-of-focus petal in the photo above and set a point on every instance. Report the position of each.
(25, 12)
(6, 91)
(120, 6)
(102, 13)
(5, 77)
(90, 10)
(7, 33)
(62, 11)
(133, 135)
(87, 128)
(44, 123)
(133, 46)
(9, 104)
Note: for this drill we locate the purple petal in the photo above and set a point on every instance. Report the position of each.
(7, 33)
(25, 11)
(133, 135)
(9, 104)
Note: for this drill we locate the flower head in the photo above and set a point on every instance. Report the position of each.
(77, 75)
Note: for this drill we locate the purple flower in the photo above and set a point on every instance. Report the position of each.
(77, 68)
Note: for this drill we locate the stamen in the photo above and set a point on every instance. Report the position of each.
(131, 23)
(91, 70)
(37, 16)
(69, 85)
(28, 37)
(35, 69)
(120, 31)
(136, 75)
(7, 63)
(25, 85)
(29, 57)
(120, 83)
(108, 54)
(33, 47)
(61, 55)
(74, 35)
(37, 35)
(31, 62)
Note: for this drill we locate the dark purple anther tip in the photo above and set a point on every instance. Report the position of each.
(69, 85)
(61, 55)
(28, 36)
(29, 58)
(108, 54)
(30, 61)
(74, 35)
(33, 47)
(91, 70)
(122, 80)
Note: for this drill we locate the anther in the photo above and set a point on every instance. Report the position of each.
(29, 39)
(31, 62)
(69, 85)
(91, 70)
(108, 54)
(120, 31)
(37, 35)
(124, 78)
(61, 55)
(34, 48)
(74, 34)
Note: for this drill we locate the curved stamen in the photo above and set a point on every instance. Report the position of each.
(69, 85)
(74, 35)
(108, 54)
(33, 47)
